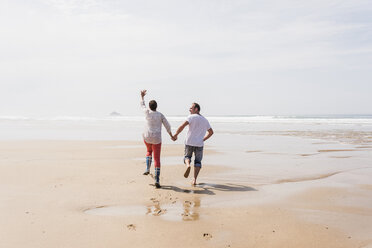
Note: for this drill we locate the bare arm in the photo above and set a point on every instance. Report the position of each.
(210, 133)
(179, 130)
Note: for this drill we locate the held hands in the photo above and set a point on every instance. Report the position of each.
(173, 137)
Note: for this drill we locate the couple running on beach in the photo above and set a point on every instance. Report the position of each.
(199, 131)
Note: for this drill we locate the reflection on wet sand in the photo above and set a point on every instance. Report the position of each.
(178, 210)
(188, 211)
(188, 208)
(155, 209)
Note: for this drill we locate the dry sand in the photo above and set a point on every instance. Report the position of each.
(93, 194)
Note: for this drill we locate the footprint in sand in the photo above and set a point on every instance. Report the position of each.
(155, 209)
(207, 236)
(159, 212)
(131, 227)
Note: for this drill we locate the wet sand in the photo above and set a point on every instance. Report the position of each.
(93, 194)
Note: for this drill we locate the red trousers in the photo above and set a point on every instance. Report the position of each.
(156, 148)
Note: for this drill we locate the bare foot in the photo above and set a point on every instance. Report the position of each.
(193, 182)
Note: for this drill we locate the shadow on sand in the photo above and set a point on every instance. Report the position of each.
(194, 190)
(208, 188)
(226, 187)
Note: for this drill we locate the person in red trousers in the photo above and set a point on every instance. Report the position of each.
(152, 135)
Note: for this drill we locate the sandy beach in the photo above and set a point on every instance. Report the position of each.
(93, 194)
(276, 93)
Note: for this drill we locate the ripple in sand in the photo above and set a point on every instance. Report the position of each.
(310, 178)
(308, 154)
(337, 150)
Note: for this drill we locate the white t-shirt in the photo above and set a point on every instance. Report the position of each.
(198, 126)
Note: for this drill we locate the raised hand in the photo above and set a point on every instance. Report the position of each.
(143, 93)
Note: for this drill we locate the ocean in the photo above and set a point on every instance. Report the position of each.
(130, 127)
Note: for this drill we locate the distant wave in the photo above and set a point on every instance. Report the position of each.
(15, 118)
(353, 119)
(72, 118)
(294, 119)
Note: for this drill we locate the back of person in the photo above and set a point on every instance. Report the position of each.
(152, 135)
(194, 143)
(154, 121)
(198, 126)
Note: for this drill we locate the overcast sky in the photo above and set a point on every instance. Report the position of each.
(91, 57)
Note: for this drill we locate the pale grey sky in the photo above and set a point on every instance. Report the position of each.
(91, 57)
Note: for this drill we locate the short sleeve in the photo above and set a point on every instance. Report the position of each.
(188, 119)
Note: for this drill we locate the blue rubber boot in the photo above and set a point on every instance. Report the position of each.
(148, 165)
(157, 177)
